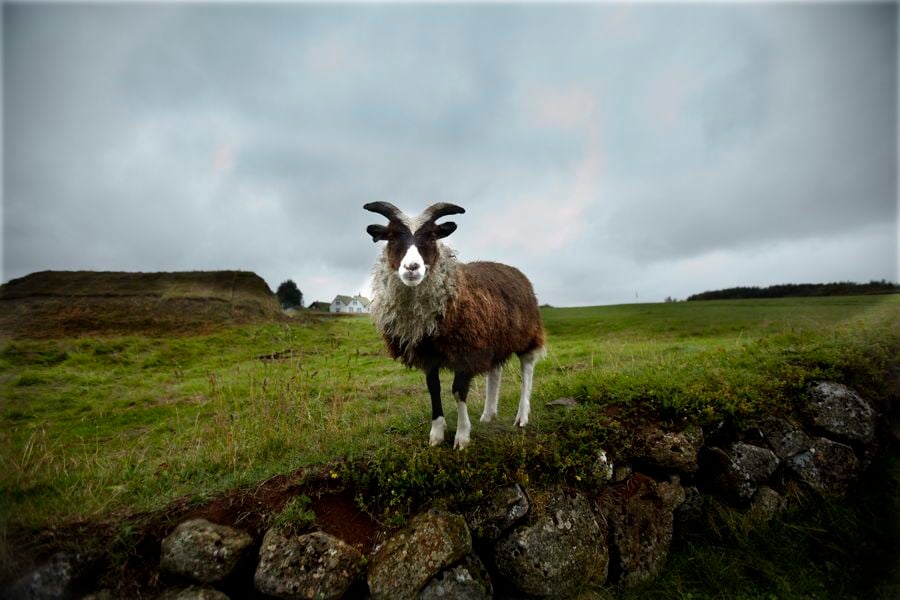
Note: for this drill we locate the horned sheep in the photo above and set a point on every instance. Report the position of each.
(435, 313)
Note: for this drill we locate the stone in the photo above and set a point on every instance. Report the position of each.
(59, 577)
(691, 510)
(314, 566)
(204, 551)
(405, 563)
(663, 449)
(621, 472)
(193, 593)
(766, 503)
(740, 469)
(602, 467)
(828, 467)
(498, 512)
(841, 413)
(784, 438)
(468, 580)
(641, 521)
(565, 402)
(555, 553)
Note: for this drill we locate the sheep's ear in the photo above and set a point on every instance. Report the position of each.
(445, 229)
(379, 233)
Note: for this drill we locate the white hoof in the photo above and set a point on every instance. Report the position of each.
(460, 442)
(487, 417)
(521, 420)
(436, 438)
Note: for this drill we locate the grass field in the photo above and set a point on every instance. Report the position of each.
(101, 426)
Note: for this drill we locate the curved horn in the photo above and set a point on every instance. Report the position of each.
(384, 208)
(442, 209)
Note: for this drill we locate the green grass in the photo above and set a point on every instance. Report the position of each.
(297, 515)
(93, 427)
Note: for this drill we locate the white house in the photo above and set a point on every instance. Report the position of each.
(348, 304)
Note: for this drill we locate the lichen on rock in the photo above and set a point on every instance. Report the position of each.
(193, 593)
(405, 563)
(557, 552)
(841, 413)
(676, 450)
(740, 468)
(469, 580)
(203, 551)
(828, 467)
(641, 517)
(314, 566)
(498, 512)
(784, 437)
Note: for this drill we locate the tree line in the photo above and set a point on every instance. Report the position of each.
(801, 290)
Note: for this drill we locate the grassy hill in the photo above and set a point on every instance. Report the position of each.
(105, 427)
(61, 303)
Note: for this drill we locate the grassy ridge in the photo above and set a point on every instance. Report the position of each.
(96, 426)
(53, 304)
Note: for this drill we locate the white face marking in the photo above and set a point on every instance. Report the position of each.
(412, 267)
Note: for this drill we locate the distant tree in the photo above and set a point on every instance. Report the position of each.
(289, 295)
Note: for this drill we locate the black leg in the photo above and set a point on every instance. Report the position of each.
(433, 379)
(461, 383)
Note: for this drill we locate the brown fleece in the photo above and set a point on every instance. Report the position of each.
(493, 315)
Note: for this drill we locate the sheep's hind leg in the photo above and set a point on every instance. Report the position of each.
(492, 396)
(463, 427)
(528, 361)
(438, 424)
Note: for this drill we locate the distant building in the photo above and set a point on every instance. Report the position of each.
(319, 305)
(350, 304)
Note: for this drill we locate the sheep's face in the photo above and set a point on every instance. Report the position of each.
(412, 253)
(412, 244)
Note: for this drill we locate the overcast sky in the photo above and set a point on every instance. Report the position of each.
(605, 150)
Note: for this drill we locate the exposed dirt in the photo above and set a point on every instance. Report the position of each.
(128, 545)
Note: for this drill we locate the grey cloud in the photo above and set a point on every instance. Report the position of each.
(649, 137)
(822, 159)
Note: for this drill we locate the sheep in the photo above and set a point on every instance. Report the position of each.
(435, 313)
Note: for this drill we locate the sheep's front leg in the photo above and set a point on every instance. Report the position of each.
(461, 383)
(438, 424)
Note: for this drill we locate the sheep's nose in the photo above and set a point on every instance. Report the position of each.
(412, 266)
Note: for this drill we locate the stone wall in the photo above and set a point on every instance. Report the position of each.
(519, 542)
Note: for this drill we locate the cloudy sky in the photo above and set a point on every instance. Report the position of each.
(608, 151)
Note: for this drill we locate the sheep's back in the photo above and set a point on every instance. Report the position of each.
(493, 315)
